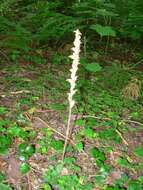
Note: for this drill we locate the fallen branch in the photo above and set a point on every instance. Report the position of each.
(121, 136)
(44, 111)
(95, 117)
(52, 129)
(132, 121)
(59, 133)
(29, 182)
(109, 119)
(20, 92)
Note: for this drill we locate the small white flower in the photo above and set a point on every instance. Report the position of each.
(75, 58)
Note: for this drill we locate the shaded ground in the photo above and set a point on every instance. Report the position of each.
(35, 95)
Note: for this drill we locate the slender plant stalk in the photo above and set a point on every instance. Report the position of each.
(75, 57)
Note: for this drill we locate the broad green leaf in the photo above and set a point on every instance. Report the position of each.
(57, 145)
(134, 185)
(47, 187)
(25, 151)
(139, 151)
(98, 155)
(3, 110)
(80, 122)
(57, 106)
(93, 67)
(113, 188)
(24, 168)
(135, 35)
(5, 187)
(30, 149)
(69, 160)
(99, 179)
(105, 169)
(21, 119)
(43, 149)
(111, 134)
(15, 130)
(103, 30)
(135, 115)
(23, 134)
(89, 133)
(22, 147)
(69, 148)
(123, 162)
(3, 122)
(79, 146)
(2, 177)
(2, 129)
(140, 178)
(23, 157)
(5, 142)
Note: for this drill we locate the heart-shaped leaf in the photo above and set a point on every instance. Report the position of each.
(103, 30)
(79, 146)
(97, 154)
(93, 67)
(57, 145)
(24, 168)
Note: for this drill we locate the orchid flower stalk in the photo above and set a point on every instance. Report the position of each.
(76, 61)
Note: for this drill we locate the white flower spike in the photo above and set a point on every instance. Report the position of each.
(75, 57)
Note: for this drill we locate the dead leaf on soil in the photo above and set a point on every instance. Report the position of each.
(114, 175)
(95, 188)
(65, 171)
(13, 171)
(114, 157)
(2, 164)
(38, 124)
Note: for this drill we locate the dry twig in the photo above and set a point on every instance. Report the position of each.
(108, 119)
(59, 133)
(20, 92)
(121, 136)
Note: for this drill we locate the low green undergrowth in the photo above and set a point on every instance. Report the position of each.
(106, 122)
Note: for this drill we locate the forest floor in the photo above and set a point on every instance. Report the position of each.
(107, 144)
